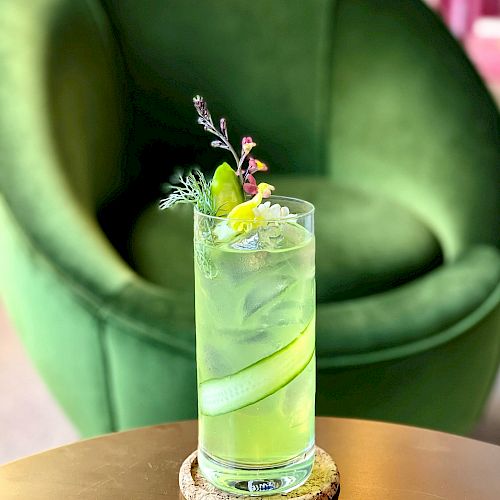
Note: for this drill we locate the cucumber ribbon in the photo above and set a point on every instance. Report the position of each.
(259, 380)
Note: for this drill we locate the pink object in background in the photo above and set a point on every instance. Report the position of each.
(477, 24)
(459, 15)
(483, 46)
(491, 8)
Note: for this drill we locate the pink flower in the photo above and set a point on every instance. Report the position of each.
(252, 165)
(256, 166)
(247, 144)
(250, 186)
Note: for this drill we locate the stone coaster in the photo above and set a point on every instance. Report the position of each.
(323, 483)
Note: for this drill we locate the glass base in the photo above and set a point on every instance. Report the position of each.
(241, 479)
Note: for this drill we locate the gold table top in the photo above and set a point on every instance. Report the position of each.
(376, 461)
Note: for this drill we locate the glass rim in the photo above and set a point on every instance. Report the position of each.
(309, 212)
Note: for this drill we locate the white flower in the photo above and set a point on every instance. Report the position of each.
(266, 211)
(224, 231)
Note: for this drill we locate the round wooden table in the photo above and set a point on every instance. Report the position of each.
(376, 461)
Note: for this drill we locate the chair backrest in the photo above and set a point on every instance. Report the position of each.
(62, 127)
(375, 94)
(262, 64)
(412, 120)
(86, 97)
(61, 133)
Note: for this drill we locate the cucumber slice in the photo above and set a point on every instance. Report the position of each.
(226, 189)
(257, 381)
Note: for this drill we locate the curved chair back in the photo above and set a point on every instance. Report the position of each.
(377, 95)
(371, 94)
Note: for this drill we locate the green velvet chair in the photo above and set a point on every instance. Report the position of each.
(367, 108)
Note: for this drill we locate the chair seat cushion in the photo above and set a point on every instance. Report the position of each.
(365, 245)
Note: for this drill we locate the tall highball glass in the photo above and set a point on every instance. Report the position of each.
(255, 350)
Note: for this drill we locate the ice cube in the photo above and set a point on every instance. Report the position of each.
(294, 235)
(294, 307)
(271, 236)
(266, 295)
(285, 312)
(248, 242)
(215, 362)
(298, 398)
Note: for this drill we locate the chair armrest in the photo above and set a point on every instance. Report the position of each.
(414, 317)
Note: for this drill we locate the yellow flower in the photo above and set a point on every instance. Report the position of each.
(240, 215)
(265, 189)
(261, 166)
(243, 217)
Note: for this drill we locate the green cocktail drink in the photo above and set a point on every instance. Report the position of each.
(255, 323)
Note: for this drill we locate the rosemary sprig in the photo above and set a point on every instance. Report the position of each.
(193, 189)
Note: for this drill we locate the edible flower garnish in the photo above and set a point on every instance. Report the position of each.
(265, 189)
(252, 210)
(250, 185)
(256, 166)
(224, 195)
(247, 145)
(266, 211)
(240, 215)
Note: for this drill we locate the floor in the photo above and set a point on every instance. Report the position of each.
(31, 421)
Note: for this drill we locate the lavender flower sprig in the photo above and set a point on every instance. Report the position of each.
(194, 189)
(205, 119)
